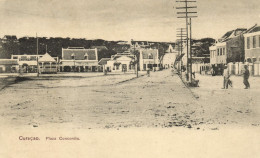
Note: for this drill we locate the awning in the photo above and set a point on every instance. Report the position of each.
(178, 58)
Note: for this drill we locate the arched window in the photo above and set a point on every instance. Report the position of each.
(73, 56)
(150, 56)
(86, 56)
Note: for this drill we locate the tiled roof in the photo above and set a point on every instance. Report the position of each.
(79, 54)
(8, 62)
(147, 52)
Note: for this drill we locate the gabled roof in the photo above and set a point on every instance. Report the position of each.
(47, 58)
(8, 62)
(233, 33)
(253, 29)
(79, 54)
(103, 61)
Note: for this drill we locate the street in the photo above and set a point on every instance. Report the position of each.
(123, 101)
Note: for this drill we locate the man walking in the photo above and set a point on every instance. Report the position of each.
(226, 77)
(246, 77)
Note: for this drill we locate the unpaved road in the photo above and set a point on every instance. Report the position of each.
(104, 102)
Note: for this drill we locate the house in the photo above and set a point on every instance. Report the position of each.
(8, 65)
(170, 49)
(79, 59)
(252, 45)
(229, 48)
(121, 62)
(47, 64)
(9, 38)
(27, 63)
(149, 59)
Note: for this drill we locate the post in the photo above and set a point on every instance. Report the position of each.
(190, 54)
(37, 55)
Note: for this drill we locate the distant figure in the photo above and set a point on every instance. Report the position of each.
(148, 72)
(246, 77)
(225, 77)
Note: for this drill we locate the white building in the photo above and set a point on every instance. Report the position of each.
(149, 59)
(121, 62)
(252, 45)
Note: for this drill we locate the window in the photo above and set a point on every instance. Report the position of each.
(220, 51)
(224, 50)
(248, 42)
(254, 41)
(15, 57)
(86, 57)
(150, 56)
(73, 56)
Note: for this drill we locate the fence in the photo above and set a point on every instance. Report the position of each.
(234, 68)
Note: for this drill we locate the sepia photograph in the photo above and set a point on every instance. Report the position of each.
(129, 78)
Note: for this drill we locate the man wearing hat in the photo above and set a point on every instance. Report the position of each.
(246, 77)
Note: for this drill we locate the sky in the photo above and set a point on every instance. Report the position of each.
(151, 20)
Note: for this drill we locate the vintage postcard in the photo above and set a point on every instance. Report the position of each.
(129, 78)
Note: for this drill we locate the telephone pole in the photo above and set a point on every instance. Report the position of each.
(180, 37)
(37, 42)
(188, 15)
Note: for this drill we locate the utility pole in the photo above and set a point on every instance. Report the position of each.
(190, 51)
(188, 15)
(180, 37)
(136, 64)
(37, 55)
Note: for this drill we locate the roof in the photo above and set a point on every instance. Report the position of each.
(8, 62)
(146, 52)
(47, 58)
(254, 29)
(79, 54)
(118, 55)
(103, 61)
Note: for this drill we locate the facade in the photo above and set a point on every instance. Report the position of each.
(8, 65)
(218, 55)
(149, 59)
(79, 59)
(252, 45)
(121, 62)
(27, 63)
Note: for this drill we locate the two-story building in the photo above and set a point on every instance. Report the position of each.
(252, 45)
(149, 59)
(79, 59)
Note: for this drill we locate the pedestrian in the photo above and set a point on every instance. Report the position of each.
(246, 77)
(225, 77)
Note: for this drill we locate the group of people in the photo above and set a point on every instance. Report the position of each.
(227, 82)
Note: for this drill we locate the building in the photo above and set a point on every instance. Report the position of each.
(8, 65)
(28, 63)
(99, 48)
(121, 62)
(252, 45)
(79, 59)
(103, 64)
(149, 59)
(48, 64)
